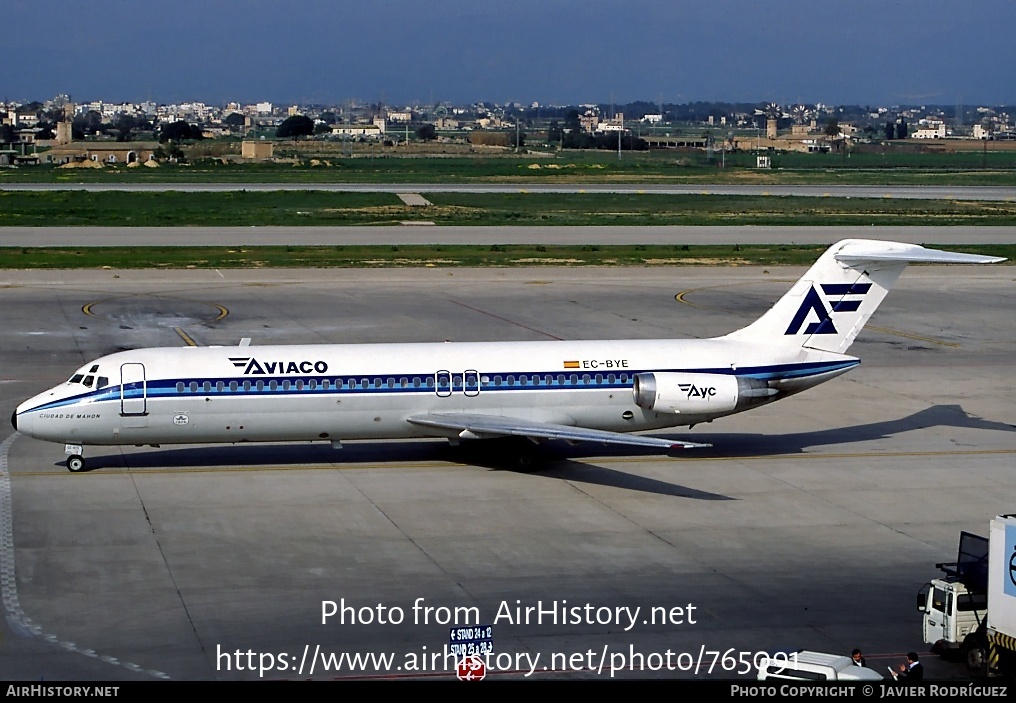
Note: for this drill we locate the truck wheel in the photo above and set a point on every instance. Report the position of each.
(975, 653)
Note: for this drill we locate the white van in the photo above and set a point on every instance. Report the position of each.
(814, 666)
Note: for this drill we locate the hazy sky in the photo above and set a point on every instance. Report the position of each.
(876, 52)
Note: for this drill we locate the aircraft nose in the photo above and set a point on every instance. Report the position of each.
(14, 420)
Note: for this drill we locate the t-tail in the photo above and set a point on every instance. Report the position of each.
(829, 306)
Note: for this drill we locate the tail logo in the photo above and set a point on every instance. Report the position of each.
(814, 303)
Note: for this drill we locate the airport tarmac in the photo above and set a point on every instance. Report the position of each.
(811, 523)
(466, 235)
(918, 192)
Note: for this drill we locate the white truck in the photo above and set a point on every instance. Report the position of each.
(814, 666)
(972, 609)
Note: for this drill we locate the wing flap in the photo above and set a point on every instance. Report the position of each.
(481, 426)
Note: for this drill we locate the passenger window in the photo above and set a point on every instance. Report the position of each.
(179, 387)
(219, 385)
(206, 386)
(246, 385)
(233, 385)
(194, 386)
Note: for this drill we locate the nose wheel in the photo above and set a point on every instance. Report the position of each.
(75, 460)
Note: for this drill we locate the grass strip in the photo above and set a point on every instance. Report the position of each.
(320, 208)
(426, 256)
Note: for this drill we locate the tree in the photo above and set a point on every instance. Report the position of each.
(124, 126)
(572, 122)
(832, 127)
(554, 133)
(890, 130)
(295, 126)
(234, 119)
(426, 132)
(87, 125)
(175, 131)
(901, 129)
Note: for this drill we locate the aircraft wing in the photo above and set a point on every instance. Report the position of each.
(485, 426)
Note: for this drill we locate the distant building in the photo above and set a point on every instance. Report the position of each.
(257, 150)
(615, 124)
(364, 131)
(934, 130)
(101, 152)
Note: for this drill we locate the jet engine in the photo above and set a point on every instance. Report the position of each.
(698, 393)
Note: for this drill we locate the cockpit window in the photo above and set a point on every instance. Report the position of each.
(102, 382)
(88, 381)
(76, 378)
(95, 367)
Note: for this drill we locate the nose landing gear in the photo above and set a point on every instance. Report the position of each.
(75, 461)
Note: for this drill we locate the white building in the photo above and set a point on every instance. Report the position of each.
(934, 130)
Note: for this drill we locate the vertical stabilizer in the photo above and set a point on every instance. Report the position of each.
(829, 306)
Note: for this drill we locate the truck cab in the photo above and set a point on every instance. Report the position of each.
(952, 612)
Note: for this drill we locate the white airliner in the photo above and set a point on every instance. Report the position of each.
(597, 391)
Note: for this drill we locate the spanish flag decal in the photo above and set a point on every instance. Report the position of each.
(571, 364)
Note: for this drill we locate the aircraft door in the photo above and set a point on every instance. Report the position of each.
(471, 383)
(443, 383)
(447, 383)
(133, 389)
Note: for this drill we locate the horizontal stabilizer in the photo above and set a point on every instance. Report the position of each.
(860, 251)
(470, 426)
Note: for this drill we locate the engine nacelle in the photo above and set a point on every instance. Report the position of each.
(698, 393)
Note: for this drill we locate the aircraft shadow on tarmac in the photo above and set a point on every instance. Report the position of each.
(552, 460)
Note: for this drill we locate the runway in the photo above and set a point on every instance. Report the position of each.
(354, 235)
(810, 524)
(816, 191)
